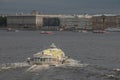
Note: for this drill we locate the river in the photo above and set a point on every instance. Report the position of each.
(101, 53)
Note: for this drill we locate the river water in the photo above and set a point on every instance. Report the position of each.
(98, 55)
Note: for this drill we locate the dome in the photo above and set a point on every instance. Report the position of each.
(53, 51)
(56, 53)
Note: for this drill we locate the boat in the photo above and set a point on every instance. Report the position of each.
(113, 29)
(99, 31)
(12, 30)
(46, 32)
(80, 31)
(50, 56)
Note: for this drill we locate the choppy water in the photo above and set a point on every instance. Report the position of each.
(101, 53)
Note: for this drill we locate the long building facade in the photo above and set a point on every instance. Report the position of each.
(22, 21)
(76, 22)
(66, 22)
(118, 21)
(3, 21)
(33, 21)
(101, 22)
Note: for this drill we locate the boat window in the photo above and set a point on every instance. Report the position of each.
(46, 59)
(36, 59)
(42, 59)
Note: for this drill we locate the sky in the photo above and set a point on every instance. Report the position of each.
(61, 6)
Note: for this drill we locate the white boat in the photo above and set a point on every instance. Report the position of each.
(99, 31)
(12, 30)
(50, 56)
(113, 29)
(46, 32)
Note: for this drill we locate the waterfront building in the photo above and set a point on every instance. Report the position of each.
(21, 21)
(33, 21)
(118, 21)
(101, 22)
(37, 21)
(85, 22)
(66, 22)
(3, 21)
(75, 22)
(51, 22)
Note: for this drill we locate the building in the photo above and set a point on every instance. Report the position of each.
(37, 21)
(3, 21)
(33, 21)
(85, 22)
(66, 22)
(51, 22)
(118, 21)
(75, 22)
(22, 21)
(101, 22)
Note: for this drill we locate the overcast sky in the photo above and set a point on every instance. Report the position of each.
(61, 6)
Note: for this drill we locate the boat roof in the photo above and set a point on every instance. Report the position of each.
(44, 56)
(52, 51)
(53, 45)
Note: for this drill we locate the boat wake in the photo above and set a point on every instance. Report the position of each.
(73, 70)
(37, 68)
(70, 63)
(7, 66)
(74, 63)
